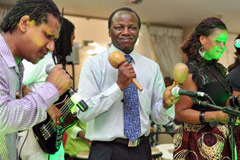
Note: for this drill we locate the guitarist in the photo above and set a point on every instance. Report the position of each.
(34, 76)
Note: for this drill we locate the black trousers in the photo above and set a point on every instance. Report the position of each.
(115, 151)
(68, 157)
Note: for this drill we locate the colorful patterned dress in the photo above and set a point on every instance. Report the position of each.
(211, 140)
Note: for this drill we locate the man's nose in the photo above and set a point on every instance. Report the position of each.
(51, 46)
(125, 30)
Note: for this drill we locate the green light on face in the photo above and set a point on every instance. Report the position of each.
(221, 38)
(219, 46)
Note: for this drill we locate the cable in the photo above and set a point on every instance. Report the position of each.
(23, 144)
(207, 96)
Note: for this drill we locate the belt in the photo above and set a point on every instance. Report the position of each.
(128, 143)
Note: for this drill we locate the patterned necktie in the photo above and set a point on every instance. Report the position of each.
(132, 126)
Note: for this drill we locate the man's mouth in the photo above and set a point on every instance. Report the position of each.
(125, 39)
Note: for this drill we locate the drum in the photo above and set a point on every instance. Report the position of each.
(156, 153)
(83, 155)
(167, 150)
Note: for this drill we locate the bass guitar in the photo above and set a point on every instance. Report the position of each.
(50, 136)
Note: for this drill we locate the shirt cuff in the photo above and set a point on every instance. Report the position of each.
(49, 93)
(170, 111)
(75, 131)
(114, 88)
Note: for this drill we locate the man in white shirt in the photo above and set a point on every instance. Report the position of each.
(103, 88)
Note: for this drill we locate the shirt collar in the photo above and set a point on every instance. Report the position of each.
(133, 54)
(6, 53)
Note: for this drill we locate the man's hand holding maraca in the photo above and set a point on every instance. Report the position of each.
(126, 71)
(168, 98)
(125, 75)
(180, 73)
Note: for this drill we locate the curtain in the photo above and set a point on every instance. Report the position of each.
(143, 45)
(165, 43)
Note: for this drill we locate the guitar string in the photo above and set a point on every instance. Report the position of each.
(64, 106)
(49, 128)
(65, 113)
(65, 110)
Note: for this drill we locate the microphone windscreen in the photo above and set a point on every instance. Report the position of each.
(49, 68)
(175, 91)
(180, 72)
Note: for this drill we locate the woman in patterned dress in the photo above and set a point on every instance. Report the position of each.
(204, 134)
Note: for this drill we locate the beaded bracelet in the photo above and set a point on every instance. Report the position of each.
(234, 101)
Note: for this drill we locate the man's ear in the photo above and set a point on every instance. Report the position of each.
(202, 40)
(24, 23)
(109, 34)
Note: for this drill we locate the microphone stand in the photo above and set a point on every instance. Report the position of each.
(233, 114)
(229, 110)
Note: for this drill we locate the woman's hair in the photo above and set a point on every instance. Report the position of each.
(237, 53)
(63, 45)
(190, 47)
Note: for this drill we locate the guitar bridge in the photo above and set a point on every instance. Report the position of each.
(45, 132)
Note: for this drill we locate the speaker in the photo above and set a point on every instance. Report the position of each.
(74, 56)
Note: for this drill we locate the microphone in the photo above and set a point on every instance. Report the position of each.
(176, 92)
(75, 98)
(49, 69)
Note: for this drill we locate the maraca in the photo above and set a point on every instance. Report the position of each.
(180, 73)
(116, 58)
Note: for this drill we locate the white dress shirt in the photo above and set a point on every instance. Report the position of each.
(98, 87)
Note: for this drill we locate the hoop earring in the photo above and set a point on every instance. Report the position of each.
(202, 53)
